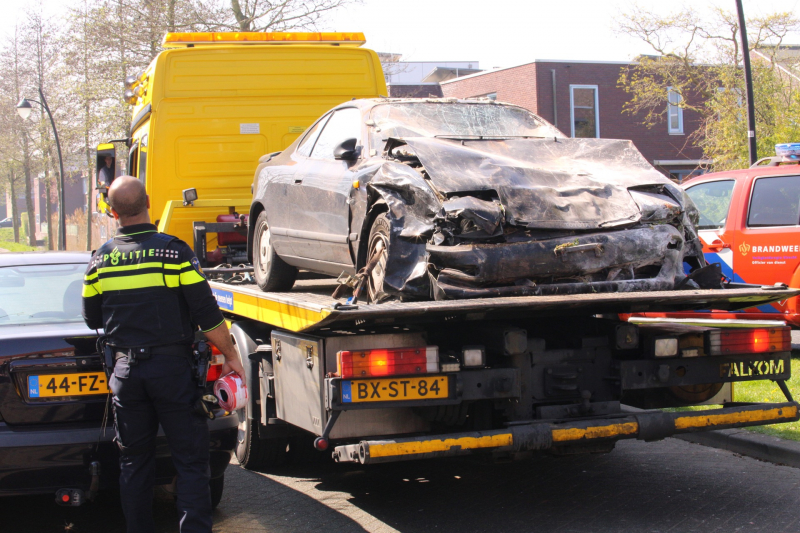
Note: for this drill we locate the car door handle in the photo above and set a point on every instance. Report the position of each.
(718, 245)
(296, 181)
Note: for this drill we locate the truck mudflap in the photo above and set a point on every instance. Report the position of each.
(645, 425)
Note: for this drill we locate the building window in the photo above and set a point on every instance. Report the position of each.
(584, 111)
(674, 112)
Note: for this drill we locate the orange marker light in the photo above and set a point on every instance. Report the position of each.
(177, 39)
(761, 340)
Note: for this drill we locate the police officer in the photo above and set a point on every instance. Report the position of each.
(147, 291)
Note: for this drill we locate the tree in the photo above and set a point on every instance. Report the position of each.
(700, 59)
(18, 145)
(278, 15)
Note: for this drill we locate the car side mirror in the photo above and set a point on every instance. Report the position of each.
(346, 151)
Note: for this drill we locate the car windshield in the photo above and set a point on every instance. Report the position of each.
(456, 119)
(36, 294)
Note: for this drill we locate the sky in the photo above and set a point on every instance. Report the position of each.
(496, 33)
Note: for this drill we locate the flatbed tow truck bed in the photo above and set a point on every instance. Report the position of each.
(309, 305)
(565, 399)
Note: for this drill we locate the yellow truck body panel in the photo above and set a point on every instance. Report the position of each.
(206, 114)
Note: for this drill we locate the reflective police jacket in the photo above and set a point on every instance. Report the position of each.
(147, 289)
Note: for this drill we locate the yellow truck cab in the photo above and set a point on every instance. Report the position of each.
(207, 108)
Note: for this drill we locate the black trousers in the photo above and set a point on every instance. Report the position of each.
(149, 392)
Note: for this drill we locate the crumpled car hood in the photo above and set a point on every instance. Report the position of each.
(569, 184)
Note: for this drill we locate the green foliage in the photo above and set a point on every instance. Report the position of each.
(777, 105)
(767, 391)
(7, 242)
(699, 57)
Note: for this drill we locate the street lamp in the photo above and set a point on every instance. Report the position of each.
(24, 110)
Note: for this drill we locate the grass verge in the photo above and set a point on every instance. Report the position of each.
(768, 391)
(7, 241)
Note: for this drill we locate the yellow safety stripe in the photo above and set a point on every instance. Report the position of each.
(597, 432)
(90, 277)
(91, 290)
(760, 415)
(191, 277)
(135, 281)
(429, 446)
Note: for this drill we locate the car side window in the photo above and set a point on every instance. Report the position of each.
(775, 202)
(344, 124)
(307, 144)
(713, 200)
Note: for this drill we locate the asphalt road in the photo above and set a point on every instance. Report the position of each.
(641, 487)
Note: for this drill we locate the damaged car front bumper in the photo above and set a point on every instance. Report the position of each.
(639, 259)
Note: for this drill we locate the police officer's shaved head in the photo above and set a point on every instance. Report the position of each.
(127, 196)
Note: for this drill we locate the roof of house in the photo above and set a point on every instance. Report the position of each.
(570, 61)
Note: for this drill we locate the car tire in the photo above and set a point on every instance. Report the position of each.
(217, 485)
(272, 274)
(253, 452)
(378, 242)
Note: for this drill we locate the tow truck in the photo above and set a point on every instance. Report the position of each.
(372, 383)
(503, 376)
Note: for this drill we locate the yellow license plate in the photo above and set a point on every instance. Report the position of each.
(395, 389)
(50, 385)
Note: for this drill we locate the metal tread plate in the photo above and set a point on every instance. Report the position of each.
(309, 306)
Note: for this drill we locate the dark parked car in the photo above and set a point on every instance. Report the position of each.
(7, 222)
(53, 389)
(448, 198)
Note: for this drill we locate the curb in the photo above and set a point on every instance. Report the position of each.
(743, 442)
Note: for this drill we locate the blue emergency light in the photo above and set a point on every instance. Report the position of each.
(790, 150)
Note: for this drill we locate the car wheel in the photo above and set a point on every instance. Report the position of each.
(270, 271)
(378, 244)
(217, 485)
(253, 452)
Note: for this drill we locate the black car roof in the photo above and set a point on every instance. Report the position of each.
(43, 258)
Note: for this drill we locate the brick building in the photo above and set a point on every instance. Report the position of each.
(581, 98)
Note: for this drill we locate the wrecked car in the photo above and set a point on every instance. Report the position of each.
(416, 199)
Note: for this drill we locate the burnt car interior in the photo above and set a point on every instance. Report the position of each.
(452, 198)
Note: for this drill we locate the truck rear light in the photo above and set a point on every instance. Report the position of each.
(474, 356)
(215, 364)
(388, 362)
(666, 347)
(744, 341)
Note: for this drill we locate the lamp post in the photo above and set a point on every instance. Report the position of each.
(752, 147)
(24, 110)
